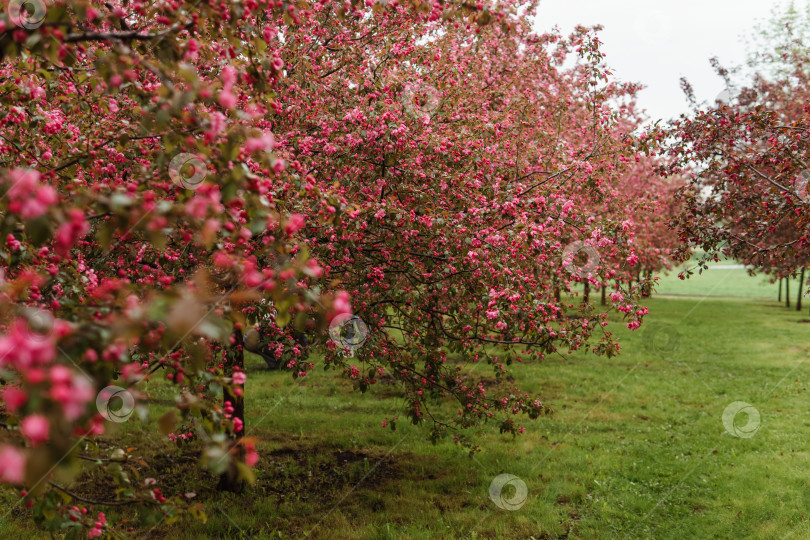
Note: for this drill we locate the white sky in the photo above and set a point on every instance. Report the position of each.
(656, 43)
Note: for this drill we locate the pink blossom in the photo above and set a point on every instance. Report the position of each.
(192, 50)
(567, 207)
(69, 233)
(227, 99)
(37, 92)
(217, 121)
(35, 428)
(265, 143)
(228, 76)
(23, 182)
(222, 260)
(12, 465)
(74, 396)
(27, 197)
(314, 268)
(239, 377)
(47, 195)
(23, 349)
(14, 398)
(295, 222)
(60, 375)
(342, 303)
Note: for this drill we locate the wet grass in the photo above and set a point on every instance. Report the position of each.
(636, 447)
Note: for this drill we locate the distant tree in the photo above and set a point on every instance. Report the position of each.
(746, 164)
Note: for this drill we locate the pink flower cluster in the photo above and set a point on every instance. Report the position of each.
(96, 530)
(30, 353)
(341, 304)
(35, 428)
(12, 465)
(23, 349)
(226, 97)
(251, 456)
(26, 196)
(181, 437)
(68, 233)
(70, 390)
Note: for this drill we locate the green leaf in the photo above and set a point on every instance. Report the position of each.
(245, 473)
(283, 319)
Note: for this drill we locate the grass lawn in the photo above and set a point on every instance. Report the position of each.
(725, 278)
(636, 447)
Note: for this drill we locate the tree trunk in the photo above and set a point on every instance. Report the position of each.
(229, 480)
(787, 291)
(801, 291)
(779, 299)
(604, 294)
(587, 292)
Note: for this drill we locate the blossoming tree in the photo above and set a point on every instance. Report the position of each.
(746, 161)
(175, 173)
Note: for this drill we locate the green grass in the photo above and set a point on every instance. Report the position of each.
(720, 280)
(636, 447)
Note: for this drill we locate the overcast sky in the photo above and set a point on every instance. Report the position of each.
(656, 43)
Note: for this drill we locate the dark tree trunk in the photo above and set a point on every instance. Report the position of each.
(604, 294)
(229, 480)
(587, 292)
(646, 289)
(787, 291)
(801, 291)
(779, 299)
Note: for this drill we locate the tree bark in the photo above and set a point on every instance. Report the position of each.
(787, 291)
(229, 480)
(604, 294)
(587, 292)
(801, 290)
(779, 298)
